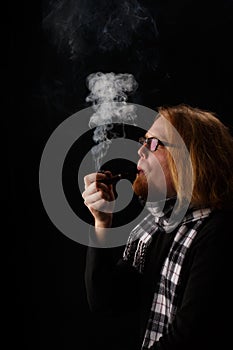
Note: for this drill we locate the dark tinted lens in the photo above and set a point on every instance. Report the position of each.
(152, 144)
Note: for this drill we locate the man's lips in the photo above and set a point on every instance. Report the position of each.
(140, 171)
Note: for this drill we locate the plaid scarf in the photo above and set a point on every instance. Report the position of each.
(164, 303)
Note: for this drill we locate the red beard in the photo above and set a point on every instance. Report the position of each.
(140, 186)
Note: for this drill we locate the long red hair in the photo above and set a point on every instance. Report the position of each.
(210, 147)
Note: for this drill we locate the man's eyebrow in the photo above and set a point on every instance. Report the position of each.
(148, 137)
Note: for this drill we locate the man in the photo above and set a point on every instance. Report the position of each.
(172, 279)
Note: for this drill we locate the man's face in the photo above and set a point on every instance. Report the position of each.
(154, 173)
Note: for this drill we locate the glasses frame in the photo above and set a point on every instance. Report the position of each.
(147, 141)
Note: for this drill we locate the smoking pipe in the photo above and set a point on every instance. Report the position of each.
(115, 178)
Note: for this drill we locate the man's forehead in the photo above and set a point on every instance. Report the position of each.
(157, 129)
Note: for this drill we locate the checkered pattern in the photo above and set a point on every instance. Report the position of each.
(164, 303)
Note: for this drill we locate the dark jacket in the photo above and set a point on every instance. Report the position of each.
(122, 297)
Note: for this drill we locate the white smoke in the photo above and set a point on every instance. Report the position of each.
(108, 96)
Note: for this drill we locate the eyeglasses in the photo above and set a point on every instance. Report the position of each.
(151, 143)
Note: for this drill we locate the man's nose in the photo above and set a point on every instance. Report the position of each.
(143, 151)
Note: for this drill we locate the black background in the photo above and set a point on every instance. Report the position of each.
(46, 302)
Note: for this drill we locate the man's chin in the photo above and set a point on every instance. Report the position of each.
(140, 187)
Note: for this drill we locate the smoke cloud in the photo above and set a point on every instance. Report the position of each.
(107, 36)
(79, 27)
(109, 101)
